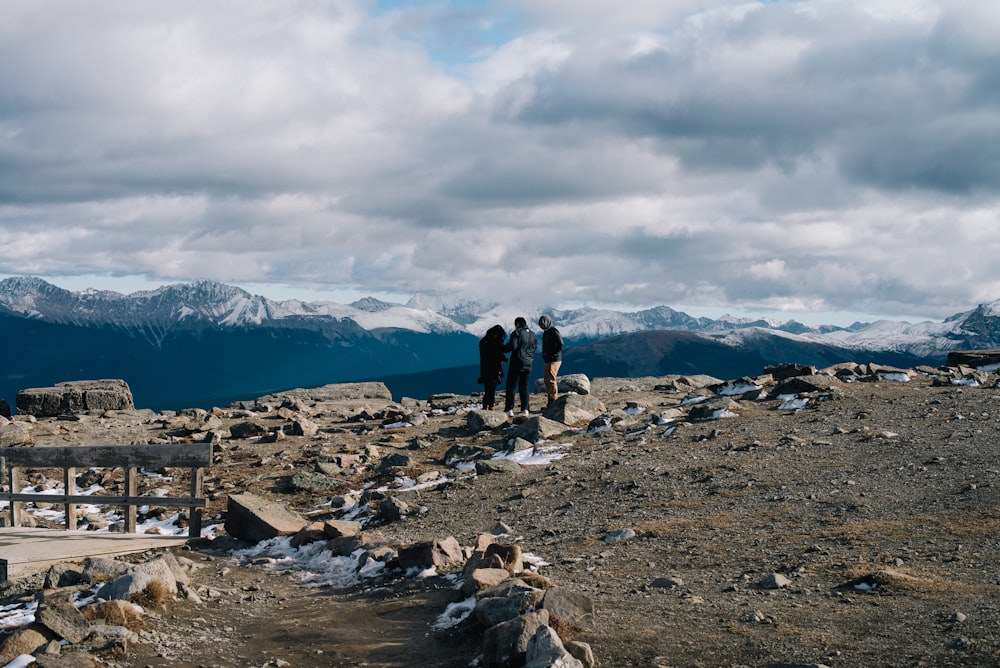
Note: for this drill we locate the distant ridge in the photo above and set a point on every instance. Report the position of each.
(207, 339)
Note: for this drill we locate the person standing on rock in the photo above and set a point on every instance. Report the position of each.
(491, 361)
(521, 345)
(552, 347)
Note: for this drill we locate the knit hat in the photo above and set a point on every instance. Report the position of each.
(545, 322)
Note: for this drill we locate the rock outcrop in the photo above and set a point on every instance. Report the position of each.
(75, 397)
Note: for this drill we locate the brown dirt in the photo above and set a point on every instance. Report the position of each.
(887, 483)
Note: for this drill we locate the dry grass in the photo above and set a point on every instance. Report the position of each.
(678, 527)
(154, 596)
(115, 613)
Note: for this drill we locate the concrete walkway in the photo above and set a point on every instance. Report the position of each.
(30, 550)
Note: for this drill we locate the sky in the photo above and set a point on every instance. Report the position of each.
(824, 159)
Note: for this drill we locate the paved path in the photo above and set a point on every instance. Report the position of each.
(31, 550)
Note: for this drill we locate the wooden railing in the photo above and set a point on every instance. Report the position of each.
(131, 458)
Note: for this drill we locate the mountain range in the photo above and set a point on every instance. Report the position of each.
(208, 343)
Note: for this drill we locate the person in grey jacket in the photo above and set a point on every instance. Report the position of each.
(521, 345)
(552, 347)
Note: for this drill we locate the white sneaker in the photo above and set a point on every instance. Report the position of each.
(524, 412)
(509, 413)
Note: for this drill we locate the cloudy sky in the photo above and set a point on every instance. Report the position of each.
(811, 157)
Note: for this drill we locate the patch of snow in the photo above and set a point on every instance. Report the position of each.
(315, 564)
(455, 614)
(729, 390)
(17, 614)
(690, 401)
(793, 404)
(720, 414)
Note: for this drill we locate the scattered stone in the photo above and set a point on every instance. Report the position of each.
(487, 466)
(619, 535)
(774, 581)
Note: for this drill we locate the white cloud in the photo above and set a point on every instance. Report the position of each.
(818, 154)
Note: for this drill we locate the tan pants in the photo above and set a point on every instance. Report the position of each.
(550, 376)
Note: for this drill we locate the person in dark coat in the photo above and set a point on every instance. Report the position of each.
(491, 359)
(521, 345)
(552, 346)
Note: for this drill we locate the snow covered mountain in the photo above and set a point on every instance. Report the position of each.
(209, 343)
(206, 304)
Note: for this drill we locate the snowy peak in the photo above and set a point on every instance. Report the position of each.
(154, 314)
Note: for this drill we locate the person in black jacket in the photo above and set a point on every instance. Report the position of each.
(491, 361)
(521, 345)
(552, 347)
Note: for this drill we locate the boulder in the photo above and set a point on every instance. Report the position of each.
(483, 578)
(427, 554)
(101, 569)
(480, 420)
(249, 429)
(538, 428)
(501, 465)
(254, 519)
(297, 398)
(574, 409)
(574, 383)
(14, 434)
(712, 409)
(568, 609)
(493, 610)
(446, 401)
(546, 650)
(804, 385)
(789, 370)
(506, 644)
(59, 615)
(73, 397)
(25, 640)
(341, 528)
(125, 586)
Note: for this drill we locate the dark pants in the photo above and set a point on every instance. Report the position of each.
(517, 377)
(489, 395)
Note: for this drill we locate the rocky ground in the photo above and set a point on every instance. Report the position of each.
(855, 526)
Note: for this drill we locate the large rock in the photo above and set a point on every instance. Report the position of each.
(58, 614)
(546, 650)
(25, 640)
(506, 644)
(574, 409)
(334, 392)
(15, 433)
(480, 420)
(575, 383)
(436, 553)
(75, 397)
(254, 519)
(539, 428)
(568, 609)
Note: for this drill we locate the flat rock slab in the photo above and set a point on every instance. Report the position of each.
(32, 550)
